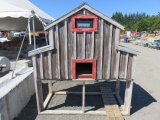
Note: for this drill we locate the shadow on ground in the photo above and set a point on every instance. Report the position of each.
(140, 98)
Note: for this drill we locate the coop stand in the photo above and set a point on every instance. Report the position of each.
(124, 106)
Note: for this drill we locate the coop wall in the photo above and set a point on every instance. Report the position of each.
(68, 45)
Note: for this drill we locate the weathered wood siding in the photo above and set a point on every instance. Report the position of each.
(100, 45)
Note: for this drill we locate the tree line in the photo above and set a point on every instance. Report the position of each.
(138, 21)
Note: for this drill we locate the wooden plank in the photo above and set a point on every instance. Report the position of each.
(51, 40)
(123, 65)
(40, 50)
(38, 86)
(58, 75)
(107, 50)
(84, 45)
(38, 66)
(71, 47)
(75, 49)
(48, 98)
(80, 46)
(76, 93)
(50, 71)
(89, 46)
(71, 112)
(98, 54)
(115, 54)
(83, 98)
(63, 49)
(46, 67)
(41, 66)
(128, 96)
(129, 67)
(54, 56)
(128, 50)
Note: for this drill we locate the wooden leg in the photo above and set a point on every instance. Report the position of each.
(50, 87)
(117, 86)
(128, 96)
(83, 98)
(38, 87)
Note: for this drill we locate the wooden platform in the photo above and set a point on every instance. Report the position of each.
(112, 109)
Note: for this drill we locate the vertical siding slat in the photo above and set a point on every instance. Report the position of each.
(70, 48)
(41, 66)
(63, 49)
(83, 45)
(50, 71)
(115, 57)
(58, 52)
(54, 55)
(123, 65)
(98, 50)
(92, 47)
(46, 67)
(101, 51)
(51, 41)
(89, 45)
(66, 50)
(80, 45)
(74, 56)
(107, 50)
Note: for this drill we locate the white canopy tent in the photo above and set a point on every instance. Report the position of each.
(14, 15)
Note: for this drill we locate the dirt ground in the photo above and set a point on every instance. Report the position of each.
(145, 99)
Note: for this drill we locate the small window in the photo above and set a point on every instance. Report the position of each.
(84, 23)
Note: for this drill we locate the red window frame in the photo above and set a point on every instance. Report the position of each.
(75, 76)
(82, 16)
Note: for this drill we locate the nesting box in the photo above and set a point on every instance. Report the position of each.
(83, 45)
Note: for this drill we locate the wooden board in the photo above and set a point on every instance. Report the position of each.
(71, 47)
(89, 46)
(107, 50)
(46, 68)
(80, 46)
(97, 51)
(123, 65)
(63, 50)
(115, 54)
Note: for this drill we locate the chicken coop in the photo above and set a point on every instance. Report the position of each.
(83, 46)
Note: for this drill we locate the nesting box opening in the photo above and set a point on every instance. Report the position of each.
(83, 69)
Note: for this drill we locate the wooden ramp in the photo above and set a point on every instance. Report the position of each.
(112, 109)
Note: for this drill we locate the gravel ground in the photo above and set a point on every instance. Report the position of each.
(145, 99)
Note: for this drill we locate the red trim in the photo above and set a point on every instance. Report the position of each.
(75, 76)
(82, 16)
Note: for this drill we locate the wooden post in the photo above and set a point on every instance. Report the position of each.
(83, 98)
(50, 71)
(129, 88)
(38, 86)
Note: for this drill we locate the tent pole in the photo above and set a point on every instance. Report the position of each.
(29, 31)
(34, 37)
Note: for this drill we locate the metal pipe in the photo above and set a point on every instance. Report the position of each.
(29, 31)
(34, 37)
(19, 53)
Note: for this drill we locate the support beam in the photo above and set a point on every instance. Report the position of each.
(83, 98)
(48, 98)
(71, 112)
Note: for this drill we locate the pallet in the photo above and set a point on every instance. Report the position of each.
(111, 107)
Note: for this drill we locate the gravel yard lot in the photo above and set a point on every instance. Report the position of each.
(145, 100)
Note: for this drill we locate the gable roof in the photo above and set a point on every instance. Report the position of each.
(85, 6)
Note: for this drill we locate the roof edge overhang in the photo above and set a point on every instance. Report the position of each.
(85, 6)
